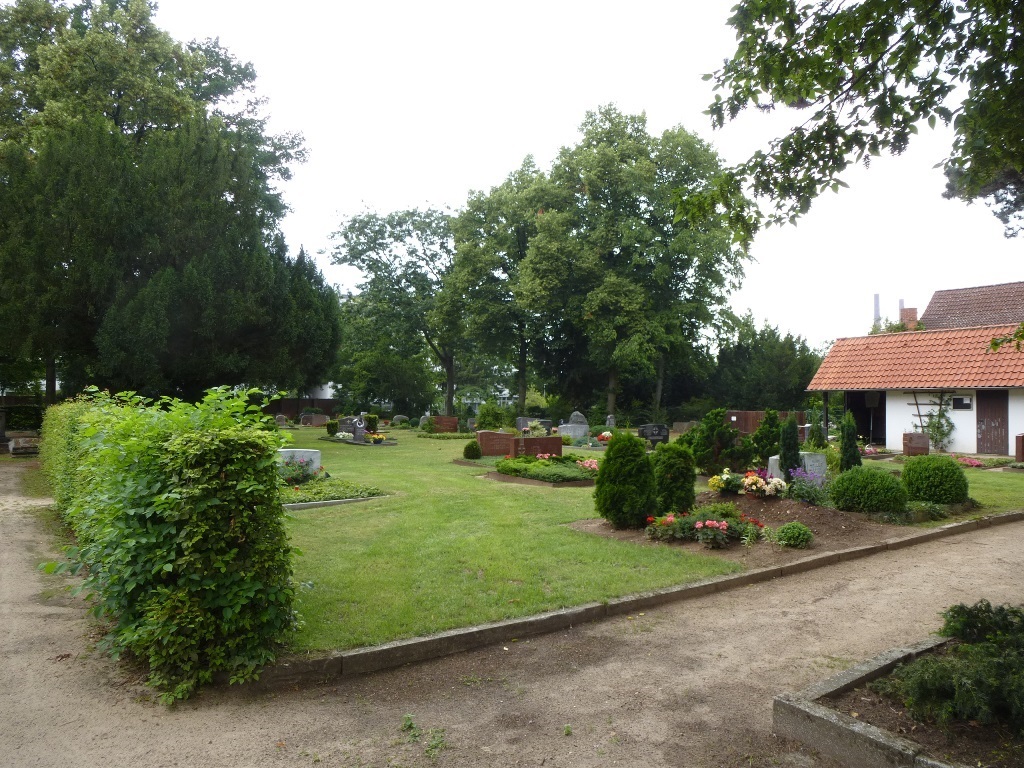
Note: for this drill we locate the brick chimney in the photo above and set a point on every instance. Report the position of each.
(908, 316)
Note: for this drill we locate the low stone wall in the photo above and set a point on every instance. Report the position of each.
(508, 444)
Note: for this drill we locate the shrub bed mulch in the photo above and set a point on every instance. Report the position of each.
(967, 743)
(833, 530)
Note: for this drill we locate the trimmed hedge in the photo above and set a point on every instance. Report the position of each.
(862, 489)
(177, 514)
(938, 479)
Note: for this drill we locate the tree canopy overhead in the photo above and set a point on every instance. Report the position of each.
(868, 73)
(140, 244)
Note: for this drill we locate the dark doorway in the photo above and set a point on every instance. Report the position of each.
(993, 419)
(868, 409)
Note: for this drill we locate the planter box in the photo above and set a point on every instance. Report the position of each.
(915, 444)
(508, 444)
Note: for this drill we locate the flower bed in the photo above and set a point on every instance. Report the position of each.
(327, 489)
(549, 468)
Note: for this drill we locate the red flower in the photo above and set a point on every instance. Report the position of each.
(650, 520)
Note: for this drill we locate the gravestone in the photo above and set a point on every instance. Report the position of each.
(609, 420)
(577, 426)
(656, 433)
(301, 454)
(814, 463)
(399, 420)
(522, 422)
(318, 420)
(306, 420)
(471, 425)
(281, 419)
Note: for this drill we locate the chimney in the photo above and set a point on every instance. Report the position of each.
(908, 317)
(878, 312)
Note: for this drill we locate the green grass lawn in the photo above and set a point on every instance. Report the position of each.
(450, 549)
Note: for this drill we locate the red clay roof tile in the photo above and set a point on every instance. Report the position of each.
(942, 359)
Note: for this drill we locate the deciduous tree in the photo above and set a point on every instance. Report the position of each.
(868, 74)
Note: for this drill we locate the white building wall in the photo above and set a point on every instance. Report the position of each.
(1016, 416)
(901, 416)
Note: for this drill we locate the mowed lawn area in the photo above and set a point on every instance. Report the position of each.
(450, 549)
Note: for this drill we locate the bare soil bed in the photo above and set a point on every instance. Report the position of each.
(967, 743)
(833, 530)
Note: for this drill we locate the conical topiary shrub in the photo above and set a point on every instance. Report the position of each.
(789, 448)
(675, 473)
(624, 490)
(849, 453)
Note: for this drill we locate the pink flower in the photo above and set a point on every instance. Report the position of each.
(670, 519)
(698, 526)
(723, 525)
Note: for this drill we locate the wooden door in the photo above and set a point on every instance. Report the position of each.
(993, 420)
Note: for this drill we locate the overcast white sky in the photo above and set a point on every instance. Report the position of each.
(416, 103)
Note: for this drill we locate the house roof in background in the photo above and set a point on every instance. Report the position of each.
(944, 359)
(973, 307)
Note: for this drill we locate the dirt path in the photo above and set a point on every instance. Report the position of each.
(685, 685)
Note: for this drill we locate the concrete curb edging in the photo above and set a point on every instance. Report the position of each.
(330, 503)
(799, 716)
(316, 669)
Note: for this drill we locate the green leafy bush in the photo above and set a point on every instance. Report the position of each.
(977, 680)
(794, 534)
(371, 420)
(939, 479)
(179, 524)
(332, 427)
(849, 452)
(766, 437)
(491, 416)
(414, 422)
(428, 426)
(862, 489)
(716, 444)
(471, 450)
(675, 474)
(625, 489)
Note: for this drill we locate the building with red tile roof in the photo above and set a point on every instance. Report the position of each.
(893, 382)
(974, 307)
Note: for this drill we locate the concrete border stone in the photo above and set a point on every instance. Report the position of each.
(799, 716)
(330, 503)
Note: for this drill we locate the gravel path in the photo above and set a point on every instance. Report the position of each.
(689, 684)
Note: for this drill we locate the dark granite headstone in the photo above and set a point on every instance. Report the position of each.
(656, 433)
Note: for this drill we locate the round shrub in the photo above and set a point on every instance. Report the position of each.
(624, 490)
(796, 535)
(862, 489)
(675, 473)
(472, 450)
(414, 422)
(332, 427)
(938, 479)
